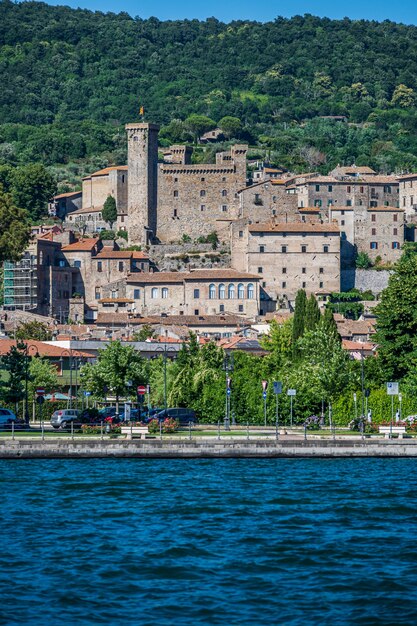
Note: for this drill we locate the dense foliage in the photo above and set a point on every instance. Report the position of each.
(78, 76)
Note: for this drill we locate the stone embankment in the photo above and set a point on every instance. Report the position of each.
(204, 448)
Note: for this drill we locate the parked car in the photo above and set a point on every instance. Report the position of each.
(63, 418)
(183, 416)
(6, 418)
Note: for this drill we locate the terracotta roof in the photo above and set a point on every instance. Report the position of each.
(172, 320)
(112, 318)
(273, 169)
(42, 349)
(341, 208)
(83, 245)
(85, 210)
(411, 175)
(107, 253)
(357, 169)
(294, 227)
(179, 277)
(358, 345)
(363, 180)
(67, 195)
(309, 209)
(107, 170)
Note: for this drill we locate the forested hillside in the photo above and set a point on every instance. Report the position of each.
(71, 79)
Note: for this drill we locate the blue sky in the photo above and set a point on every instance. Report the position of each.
(227, 10)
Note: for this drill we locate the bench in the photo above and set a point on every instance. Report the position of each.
(395, 430)
(134, 431)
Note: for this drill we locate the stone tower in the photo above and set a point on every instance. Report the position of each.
(142, 150)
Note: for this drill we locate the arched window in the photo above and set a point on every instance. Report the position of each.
(154, 293)
(251, 293)
(231, 292)
(165, 292)
(224, 193)
(202, 193)
(240, 291)
(212, 292)
(222, 291)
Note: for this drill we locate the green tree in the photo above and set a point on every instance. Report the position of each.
(231, 126)
(363, 261)
(145, 332)
(397, 319)
(199, 124)
(278, 342)
(116, 366)
(299, 320)
(313, 315)
(14, 229)
(33, 330)
(107, 235)
(403, 97)
(109, 211)
(42, 374)
(12, 390)
(329, 325)
(32, 188)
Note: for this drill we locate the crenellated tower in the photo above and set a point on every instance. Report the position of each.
(142, 147)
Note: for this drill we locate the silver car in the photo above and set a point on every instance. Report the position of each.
(63, 417)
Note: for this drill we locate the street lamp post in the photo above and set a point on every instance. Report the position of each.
(228, 366)
(27, 350)
(165, 351)
(68, 353)
(363, 385)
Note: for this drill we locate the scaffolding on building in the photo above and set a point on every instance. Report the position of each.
(20, 284)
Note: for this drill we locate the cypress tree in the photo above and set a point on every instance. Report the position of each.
(313, 315)
(299, 320)
(329, 325)
(109, 212)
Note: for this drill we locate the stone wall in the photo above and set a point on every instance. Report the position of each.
(363, 280)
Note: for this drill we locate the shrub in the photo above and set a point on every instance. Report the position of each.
(363, 261)
(123, 234)
(107, 234)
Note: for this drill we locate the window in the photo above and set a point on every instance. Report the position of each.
(348, 203)
(260, 270)
(373, 217)
(222, 291)
(203, 179)
(317, 187)
(362, 189)
(395, 245)
(303, 248)
(387, 189)
(325, 249)
(261, 249)
(202, 207)
(154, 293)
(97, 294)
(114, 294)
(224, 193)
(121, 266)
(196, 293)
(240, 234)
(240, 308)
(321, 270)
(175, 194)
(240, 291)
(395, 231)
(224, 208)
(122, 218)
(250, 291)
(349, 189)
(231, 292)
(303, 270)
(136, 294)
(196, 312)
(342, 222)
(404, 201)
(175, 213)
(317, 203)
(99, 266)
(221, 308)
(284, 270)
(373, 245)
(175, 180)
(212, 292)
(202, 193)
(165, 292)
(303, 285)
(330, 188)
(395, 217)
(284, 249)
(77, 263)
(342, 212)
(123, 178)
(321, 285)
(373, 232)
(283, 285)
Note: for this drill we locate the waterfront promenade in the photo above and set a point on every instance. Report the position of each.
(286, 446)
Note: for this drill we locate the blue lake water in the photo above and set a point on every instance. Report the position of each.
(233, 541)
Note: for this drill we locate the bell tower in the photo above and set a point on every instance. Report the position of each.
(142, 151)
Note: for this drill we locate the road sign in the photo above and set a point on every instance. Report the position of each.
(141, 389)
(291, 392)
(367, 393)
(264, 385)
(87, 393)
(40, 399)
(128, 409)
(148, 389)
(354, 397)
(40, 391)
(229, 391)
(392, 389)
(264, 395)
(277, 387)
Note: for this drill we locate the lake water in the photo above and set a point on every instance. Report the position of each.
(228, 541)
